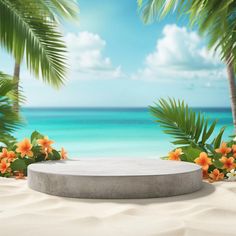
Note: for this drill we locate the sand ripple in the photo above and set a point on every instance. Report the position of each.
(211, 211)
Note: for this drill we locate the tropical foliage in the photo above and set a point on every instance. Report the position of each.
(214, 19)
(195, 139)
(185, 125)
(29, 28)
(15, 158)
(9, 119)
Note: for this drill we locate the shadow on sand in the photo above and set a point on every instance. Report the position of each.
(206, 190)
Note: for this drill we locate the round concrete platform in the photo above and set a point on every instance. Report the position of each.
(115, 178)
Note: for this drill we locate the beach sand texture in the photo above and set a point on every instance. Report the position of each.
(210, 211)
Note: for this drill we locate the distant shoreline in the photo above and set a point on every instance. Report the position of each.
(120, 108)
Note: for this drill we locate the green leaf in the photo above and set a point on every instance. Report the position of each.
(36, 135)
(217, 164)
(55, 155)
(182, 123)
(208, 133)
(210, 148)
(190, 153)
(9, 119)
(29, 161)
(18, 165)
(36, 149)
(217, 140)
(40, 157)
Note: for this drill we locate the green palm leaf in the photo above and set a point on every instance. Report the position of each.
(9, 119)
(182, 123)
(27, 31)
(215, 19)
(60, 9)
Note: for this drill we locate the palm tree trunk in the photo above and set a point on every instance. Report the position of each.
(16, 79)
(232, 88)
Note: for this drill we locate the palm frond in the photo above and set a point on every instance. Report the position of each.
(182, 123)
(215, 19)
(60, 9)
(9, 119)
(26, 30)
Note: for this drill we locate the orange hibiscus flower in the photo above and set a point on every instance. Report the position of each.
(175, 155)
(215, 175)
(4, 153)
(234, 150)
(4, 166)
(24, 148)
(228, 163)
(45, 142)
(224, 149)
(203, 160)
(9, 155)
(63, 154)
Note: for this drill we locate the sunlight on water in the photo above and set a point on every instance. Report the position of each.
(121, 132)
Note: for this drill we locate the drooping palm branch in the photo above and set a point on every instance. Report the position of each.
(26, 29)
(215, 19)
(50, 11)
(60, 9)
(185, 125)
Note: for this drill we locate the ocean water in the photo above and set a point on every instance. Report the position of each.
(107, 132)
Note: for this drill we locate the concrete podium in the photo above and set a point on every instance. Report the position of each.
(115, 178)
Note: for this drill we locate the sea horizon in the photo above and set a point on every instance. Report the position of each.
(108, 131)
(114, 107)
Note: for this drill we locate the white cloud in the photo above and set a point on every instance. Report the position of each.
(180, 54)
(86, 59)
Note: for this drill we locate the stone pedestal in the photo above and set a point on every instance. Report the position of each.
(115, 178)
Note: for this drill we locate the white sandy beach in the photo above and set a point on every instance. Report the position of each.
(210, 211)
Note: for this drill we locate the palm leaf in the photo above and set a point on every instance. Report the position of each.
(182, 123)
(60, 9)
(9, 119)
(27, 31)
(215, 19)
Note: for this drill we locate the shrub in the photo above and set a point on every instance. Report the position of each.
(193, 136)
(15, 157)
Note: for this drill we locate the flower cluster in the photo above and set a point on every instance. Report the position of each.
(15, 158)
(217, 164)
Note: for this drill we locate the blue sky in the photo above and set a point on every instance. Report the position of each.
(117, 61)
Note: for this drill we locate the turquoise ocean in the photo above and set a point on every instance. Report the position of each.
(107, 132)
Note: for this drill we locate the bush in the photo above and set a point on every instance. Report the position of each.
(15, 157)
(193, 136)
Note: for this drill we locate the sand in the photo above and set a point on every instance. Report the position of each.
(210, 211)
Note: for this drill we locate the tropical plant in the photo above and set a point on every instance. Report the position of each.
(185, 125)
(214, 19)
(14, 159)
(9, 119)
(30, 28)
(195, 139)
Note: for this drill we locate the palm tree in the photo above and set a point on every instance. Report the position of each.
(9, 119)
(215, 19)
(30, 28)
